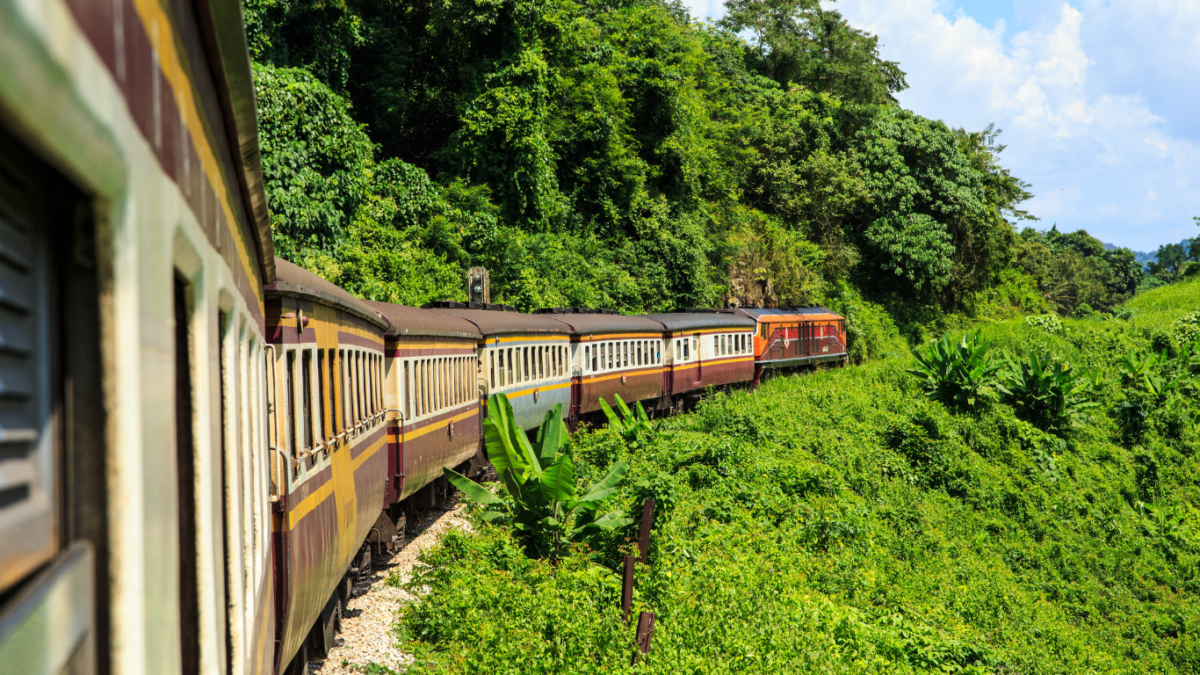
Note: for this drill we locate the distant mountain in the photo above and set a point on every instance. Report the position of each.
(1144, 257)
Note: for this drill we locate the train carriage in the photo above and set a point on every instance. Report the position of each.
(134, 246)
(329, 467)
(614, 354)
(704, 349)
(431, 394)
(526, 357)
(789, 338)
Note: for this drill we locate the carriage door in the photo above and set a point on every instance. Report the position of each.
(53, 512)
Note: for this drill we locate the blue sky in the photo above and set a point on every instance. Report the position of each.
(1099, 100)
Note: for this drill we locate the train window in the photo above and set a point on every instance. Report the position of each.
(359, 401)
(306, 406)
(678, 350)
(525, 362)
(686, 353)
(508, 362)
(443, 386)
(492, 368)
(322, 391)
(406, 404)
(289, 393)
(627, 350)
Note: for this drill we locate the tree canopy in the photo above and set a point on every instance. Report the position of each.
(617, 153)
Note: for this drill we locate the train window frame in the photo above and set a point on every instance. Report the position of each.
(492, 367)
(289, 393)
(322, 391)
(306, 405)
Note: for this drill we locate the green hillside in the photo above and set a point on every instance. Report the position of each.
(841, 522)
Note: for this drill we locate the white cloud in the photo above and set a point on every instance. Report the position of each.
(1097, 102)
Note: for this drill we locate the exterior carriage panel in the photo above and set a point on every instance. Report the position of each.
(526, 357)
(330, 460)
(128, 129)
(432, 395)
(615, 355)
(706, 349)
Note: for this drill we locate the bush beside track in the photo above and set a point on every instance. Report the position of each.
(842, 523)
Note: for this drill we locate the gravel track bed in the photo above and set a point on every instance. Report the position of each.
(369, 619)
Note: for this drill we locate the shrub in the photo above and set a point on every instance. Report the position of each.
(1049, 394)
(1047, 322)
(956, 375)
(545, 508)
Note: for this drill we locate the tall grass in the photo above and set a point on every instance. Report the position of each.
(840, 522)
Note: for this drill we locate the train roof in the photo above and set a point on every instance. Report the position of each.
(580, 323)
(698, 320)
(234, 76)
(809, 313)
(496, 321)
(407, 320)
(297, 282)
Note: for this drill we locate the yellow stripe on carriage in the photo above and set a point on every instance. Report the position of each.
(526, 392)
(643, 371)
(438, 425)
(326, 490)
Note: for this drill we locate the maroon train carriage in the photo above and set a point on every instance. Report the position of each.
(705, 348)
(433, 413)
(329, 469)
(614, 354)
(526, 357)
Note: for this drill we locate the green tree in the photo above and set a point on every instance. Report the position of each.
(798, 43)
(1168, 262)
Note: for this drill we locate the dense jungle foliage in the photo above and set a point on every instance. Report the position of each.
(620, 154)
(852, 521)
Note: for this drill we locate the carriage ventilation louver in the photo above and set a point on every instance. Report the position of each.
(27, 533)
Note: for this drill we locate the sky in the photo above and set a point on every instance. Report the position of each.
(1099, 101)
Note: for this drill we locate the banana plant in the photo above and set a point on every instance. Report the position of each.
(624, 421)
(1134, 367)
(956, 374)
(1047, 393)
(544, 506)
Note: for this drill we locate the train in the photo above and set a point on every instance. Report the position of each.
(202, 445)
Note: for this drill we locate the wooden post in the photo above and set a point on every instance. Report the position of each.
(644, 531)
(645, 631)
(627, 588)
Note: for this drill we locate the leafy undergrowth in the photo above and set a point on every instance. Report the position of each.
(843, 523)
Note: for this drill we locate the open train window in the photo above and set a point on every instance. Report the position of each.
(492, 368)
(289, 391)
(322, 392)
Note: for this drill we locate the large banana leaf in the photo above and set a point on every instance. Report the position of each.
(471, 489)
(498, 436)
(614, 422)
(558, 482)
(604, 487)
(626, 413)
(551, 436)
